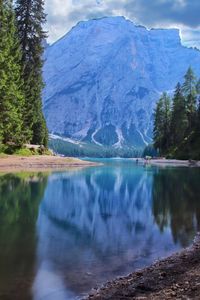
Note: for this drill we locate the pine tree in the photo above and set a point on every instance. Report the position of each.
(1, 30)
(162, 123)
(183, 120)
(179, 120)
(11, 95)
(198, 87)
(166, 123)
(189, 92)
(30, 19)
(198, 111)
(158, 125)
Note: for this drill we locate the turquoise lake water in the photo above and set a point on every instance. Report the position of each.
(61, 234)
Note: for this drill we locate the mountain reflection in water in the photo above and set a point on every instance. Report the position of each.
(63, 233)
(103, 222)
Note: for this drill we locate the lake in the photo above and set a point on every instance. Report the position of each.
(63, 233)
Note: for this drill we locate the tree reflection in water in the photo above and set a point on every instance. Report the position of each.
(20, 195)
(176, 202)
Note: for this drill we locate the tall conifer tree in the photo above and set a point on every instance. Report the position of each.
(162, 122)
(30, 20)
(166, 122)
(189, 92)
(183, 118)
(198, 110)
(11, 95)
(2, 20)
(158, 125)
(179, 121)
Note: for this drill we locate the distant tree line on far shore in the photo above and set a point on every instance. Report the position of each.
(92, 150)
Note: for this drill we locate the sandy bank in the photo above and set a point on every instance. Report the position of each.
(38, 163)
(170, 162)
(176, 277)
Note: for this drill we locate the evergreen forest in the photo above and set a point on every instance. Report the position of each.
(21, 50)
(177, 120)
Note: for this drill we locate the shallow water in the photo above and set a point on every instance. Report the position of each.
(63, 233)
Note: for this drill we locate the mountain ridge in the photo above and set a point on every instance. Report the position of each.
(117, 17)
(104, 77)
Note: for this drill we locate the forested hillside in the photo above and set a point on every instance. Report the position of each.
(177, 120)
(21, 84)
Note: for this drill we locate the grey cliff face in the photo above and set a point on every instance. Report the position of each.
(104, 77)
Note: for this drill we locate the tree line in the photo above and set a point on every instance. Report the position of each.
(92, 150)
(21, 84)
(176, 131)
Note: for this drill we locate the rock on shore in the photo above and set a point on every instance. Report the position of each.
(176, 277)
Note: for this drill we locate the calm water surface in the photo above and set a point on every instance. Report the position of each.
(63, 233)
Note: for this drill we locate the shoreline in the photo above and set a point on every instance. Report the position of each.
(13, 163)
(169, 162)
(174, 277)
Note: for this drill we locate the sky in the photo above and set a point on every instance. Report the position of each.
(182, 14)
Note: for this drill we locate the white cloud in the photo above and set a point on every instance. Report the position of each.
(64, 14)
(191, 37)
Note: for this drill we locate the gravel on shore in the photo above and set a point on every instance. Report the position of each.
(12, 163)
(176, 277)
(169, 162)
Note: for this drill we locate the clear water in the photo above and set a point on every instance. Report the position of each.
(63, 233)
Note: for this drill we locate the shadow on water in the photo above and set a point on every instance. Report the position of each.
(92, 225)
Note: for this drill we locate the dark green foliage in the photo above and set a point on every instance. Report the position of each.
(11, 95)
(189, 85)
(158, 124)
(40, 136)
(20, 196)
(23, 191)
(179, 120)
(162, 124)
(190, 93)
(21, 118)
(150, 151)
(197, 130)
(166, 121)
(198, 120)
(30, 19)
(91, 150)
(183, 139)
(175, 202)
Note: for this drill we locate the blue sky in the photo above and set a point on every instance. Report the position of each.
(182, 14)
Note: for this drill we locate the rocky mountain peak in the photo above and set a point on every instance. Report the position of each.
(104, 77)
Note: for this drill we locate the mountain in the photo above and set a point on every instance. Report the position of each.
(104, 77)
